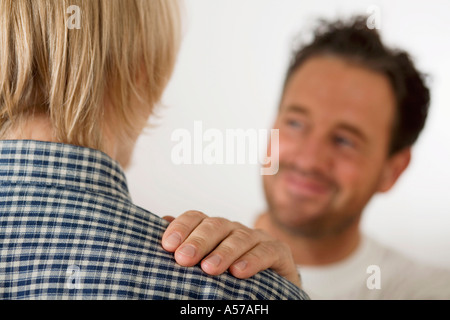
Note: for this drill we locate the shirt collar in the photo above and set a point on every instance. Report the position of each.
(61, 165)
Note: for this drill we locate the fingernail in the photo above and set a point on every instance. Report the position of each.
(241, 265)
(173, 241)
(214, 260)
(187, 250)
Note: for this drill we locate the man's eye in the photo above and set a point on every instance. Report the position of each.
(294, 123)
(342, 141)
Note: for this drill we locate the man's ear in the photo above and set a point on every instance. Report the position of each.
(393, 168)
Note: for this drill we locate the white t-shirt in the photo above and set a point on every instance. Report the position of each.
(374, 271)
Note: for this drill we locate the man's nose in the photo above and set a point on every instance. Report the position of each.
(313, 154)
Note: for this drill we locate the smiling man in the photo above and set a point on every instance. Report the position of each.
(350, 112)
(334, 123)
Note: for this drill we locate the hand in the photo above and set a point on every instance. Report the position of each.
(221, 244)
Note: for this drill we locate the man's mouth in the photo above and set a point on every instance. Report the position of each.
(300, 185)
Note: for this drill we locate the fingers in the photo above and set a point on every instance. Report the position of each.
(193, 236)
(179, 229)
(207, 236)
(226, 245)
(239, 241)
(273, 255)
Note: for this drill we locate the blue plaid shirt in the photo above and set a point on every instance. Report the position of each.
(68, 230)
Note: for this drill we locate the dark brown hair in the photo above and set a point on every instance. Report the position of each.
(354, 41)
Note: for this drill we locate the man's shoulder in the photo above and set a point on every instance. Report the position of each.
(73, 245)
(192, 282)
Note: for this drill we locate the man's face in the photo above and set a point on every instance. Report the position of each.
(334, 124)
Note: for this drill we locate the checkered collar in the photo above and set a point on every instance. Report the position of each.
(61, 165)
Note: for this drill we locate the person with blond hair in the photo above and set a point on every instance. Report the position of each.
(73, 102)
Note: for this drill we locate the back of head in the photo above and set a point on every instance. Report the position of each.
(353, 41)
(66, 73)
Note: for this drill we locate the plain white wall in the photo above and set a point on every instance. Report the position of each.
(229, 74)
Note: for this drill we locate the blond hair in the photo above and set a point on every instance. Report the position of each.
(66, 73)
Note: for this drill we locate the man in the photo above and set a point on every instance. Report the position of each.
(72, 104)
(350, 111)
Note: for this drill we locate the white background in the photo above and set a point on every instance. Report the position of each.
(229, 74)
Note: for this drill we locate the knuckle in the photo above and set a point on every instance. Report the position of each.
(243, 234)
(260, 254)
(195, 214)
(237, 243)
(214, 223)
(178, 226)
(186, 222)
(197, 241)
(227, 250)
